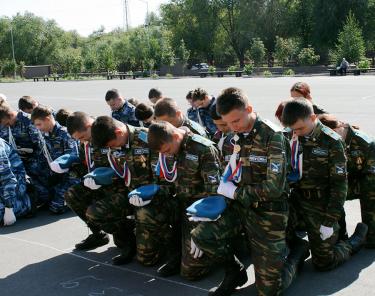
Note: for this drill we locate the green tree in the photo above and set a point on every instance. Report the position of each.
(350, 43)
(183, 54)
(257, 51)
(285, 50)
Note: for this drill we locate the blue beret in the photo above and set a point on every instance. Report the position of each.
(209, 207)
(102, 175)
(67, 160)
(145, 192)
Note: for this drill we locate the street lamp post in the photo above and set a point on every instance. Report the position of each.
(14, 60)
(147, 24)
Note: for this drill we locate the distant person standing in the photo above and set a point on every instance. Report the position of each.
(121, 109)
(343, 66)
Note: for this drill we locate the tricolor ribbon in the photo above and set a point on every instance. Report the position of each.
(162, 169)
(122, 172)
(233, 170)
(296, 160)
(89, 162)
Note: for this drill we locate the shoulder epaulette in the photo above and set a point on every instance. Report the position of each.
(272, 125)
(143, 136)
(330, 133)
(197, 127)
(363, 136)
(202, 140)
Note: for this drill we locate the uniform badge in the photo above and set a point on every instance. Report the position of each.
(320, 152)
(275, 167)
(258, 158)
(192, 157)
(340, 170)
(372, 169)
(213, 179)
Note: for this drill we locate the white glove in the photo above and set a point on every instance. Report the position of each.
(202, 219)
(227, 189)
(9, 217)
(325, 232)
(136, 201)
(90, 183)
(55, 167)
(194, 250)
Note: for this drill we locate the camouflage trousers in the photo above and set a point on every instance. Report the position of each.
(21, 202)
(38, 178)
(266, 231)
(104, 209)
(367, 201)
(327, 254)
(57, 191)
(156, 229)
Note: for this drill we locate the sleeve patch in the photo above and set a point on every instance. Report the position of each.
(275, 167)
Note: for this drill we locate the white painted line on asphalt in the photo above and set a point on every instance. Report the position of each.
(103, 263)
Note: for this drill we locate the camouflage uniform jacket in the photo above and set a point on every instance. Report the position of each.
(324, 175)
(204, 118)
(198, 168)
(126, 114)
(136, 155)
(59, 142)
(192, 114)
(88, 153)
(263, 159)
(360, 150)
(25, 135)
(12, 171)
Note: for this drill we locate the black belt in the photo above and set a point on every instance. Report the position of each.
(311, 193)
(271, 206)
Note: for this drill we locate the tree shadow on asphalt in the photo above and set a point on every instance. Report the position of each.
(42, 217)
(313, 283)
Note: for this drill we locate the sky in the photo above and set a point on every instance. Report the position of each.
(85, 16)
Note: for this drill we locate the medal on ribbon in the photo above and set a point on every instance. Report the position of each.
(162, 169)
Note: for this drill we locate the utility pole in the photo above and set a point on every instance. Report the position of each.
(126, 15)
(14, 60)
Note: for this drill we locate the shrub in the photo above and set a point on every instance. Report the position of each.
(248, 69)
(289, 72)
(211, 69)
(364, 64)
(307, 56)
(233, 68)
(267, 74)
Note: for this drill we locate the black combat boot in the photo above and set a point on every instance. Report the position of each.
(298, 254)
(96, 239)
(343, 233)
(235, 276)
(171, 267)
(125, 241)
(358, 238)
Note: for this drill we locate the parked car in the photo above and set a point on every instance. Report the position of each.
(200, 66)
